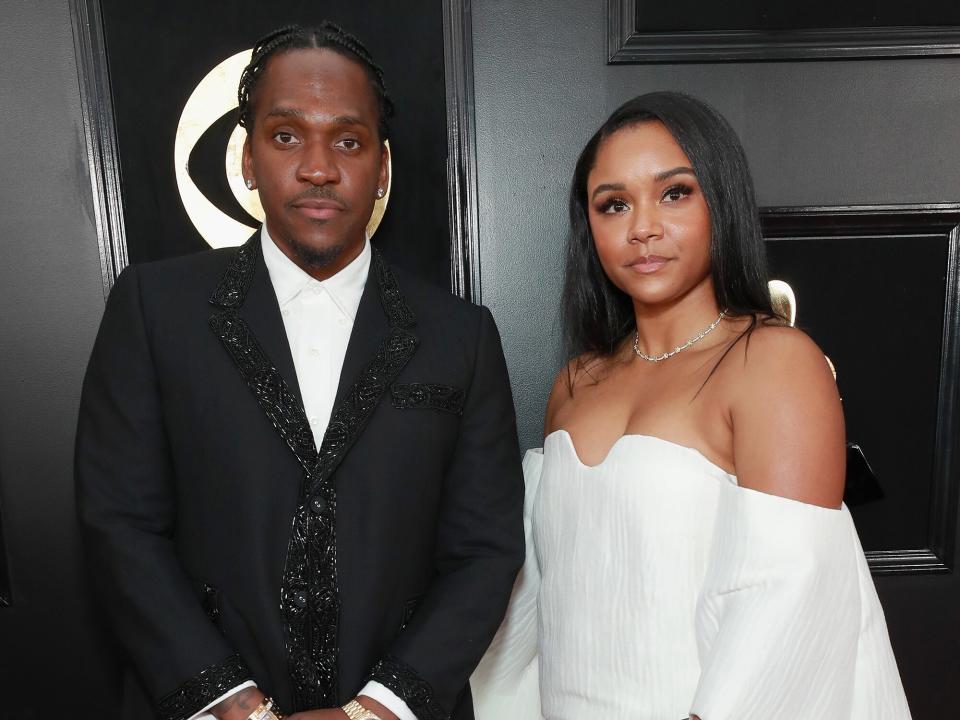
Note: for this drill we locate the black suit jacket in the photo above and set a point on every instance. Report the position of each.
(227, 547)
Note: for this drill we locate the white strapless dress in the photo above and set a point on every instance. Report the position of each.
(656, 588)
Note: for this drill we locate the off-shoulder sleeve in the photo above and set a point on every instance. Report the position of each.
(506, 683)
(788, 621)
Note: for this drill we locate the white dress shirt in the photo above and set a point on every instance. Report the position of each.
(318, 318)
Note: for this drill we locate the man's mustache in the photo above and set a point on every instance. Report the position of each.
(320, 192)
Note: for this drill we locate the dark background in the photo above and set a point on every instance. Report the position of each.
(808, 15)
(53, 659)
(159, 51)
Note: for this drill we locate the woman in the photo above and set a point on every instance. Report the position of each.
(690, 553)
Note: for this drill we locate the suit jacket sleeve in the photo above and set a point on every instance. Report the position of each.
(480, 547)
(125, 500)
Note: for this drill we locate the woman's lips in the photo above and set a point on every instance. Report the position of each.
(648, 264)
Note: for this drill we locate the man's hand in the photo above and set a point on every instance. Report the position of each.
(375, 707)
(338, 714)
(239, 705)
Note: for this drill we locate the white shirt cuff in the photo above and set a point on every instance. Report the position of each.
(204, 715)
(386, 697)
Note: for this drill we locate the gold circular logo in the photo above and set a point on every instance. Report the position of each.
(213, 97)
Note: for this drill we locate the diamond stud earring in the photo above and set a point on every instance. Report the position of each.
(381, 192)
(249, 184)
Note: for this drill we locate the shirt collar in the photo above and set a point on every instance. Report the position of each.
(288, 279)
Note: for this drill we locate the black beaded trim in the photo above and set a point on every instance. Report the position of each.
(428, 395)
(349, 419)
(405, 683)
(277, 400)
(203, 688)
(309, 595)
(232, 290)
(391, 298)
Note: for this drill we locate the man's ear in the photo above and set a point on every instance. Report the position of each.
(246, 164)
(384, 178)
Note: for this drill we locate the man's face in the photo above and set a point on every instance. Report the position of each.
(315, 155)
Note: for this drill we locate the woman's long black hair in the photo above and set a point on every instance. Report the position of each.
(597, 315)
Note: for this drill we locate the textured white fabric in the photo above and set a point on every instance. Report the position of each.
(386, 697)
(665, 590)
(505, 684)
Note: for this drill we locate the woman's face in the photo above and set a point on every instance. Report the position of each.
(648, 216)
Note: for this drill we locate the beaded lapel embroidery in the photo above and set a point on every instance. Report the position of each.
(309, 596)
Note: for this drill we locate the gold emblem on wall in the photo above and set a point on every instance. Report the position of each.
(215, 95)
(783, 300)
(785, 305)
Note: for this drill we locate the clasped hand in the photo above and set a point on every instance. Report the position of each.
(339, 714)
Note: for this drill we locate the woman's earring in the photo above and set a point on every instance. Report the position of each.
(249, 184)
(381, 192)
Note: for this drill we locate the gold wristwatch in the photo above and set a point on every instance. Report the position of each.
(356, 711)
(265, 711)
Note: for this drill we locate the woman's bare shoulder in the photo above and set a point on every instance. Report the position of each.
(770, 352)
(787, 420)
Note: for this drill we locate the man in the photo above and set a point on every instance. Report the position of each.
(298, 472)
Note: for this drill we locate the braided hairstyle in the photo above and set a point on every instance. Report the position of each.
(326, 35)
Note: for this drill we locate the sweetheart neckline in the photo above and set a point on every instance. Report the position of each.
(576, 455)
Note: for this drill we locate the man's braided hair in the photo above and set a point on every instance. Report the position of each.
(326, 35)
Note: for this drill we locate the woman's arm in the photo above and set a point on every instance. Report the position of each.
(778, 616)
(788, 431)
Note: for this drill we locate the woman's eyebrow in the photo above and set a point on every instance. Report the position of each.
(664, 174)
(603, 187)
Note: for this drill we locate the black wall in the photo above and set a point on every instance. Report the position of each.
(51, 298)
(816, 133)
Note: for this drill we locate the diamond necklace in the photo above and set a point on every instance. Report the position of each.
(667, 355)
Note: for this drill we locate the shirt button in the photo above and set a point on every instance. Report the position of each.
(318, 505)
(315, 351)
(314, 420)
(342, 322)
(285, 312)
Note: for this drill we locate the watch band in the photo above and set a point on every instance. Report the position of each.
(265, 711)
(356, 711)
